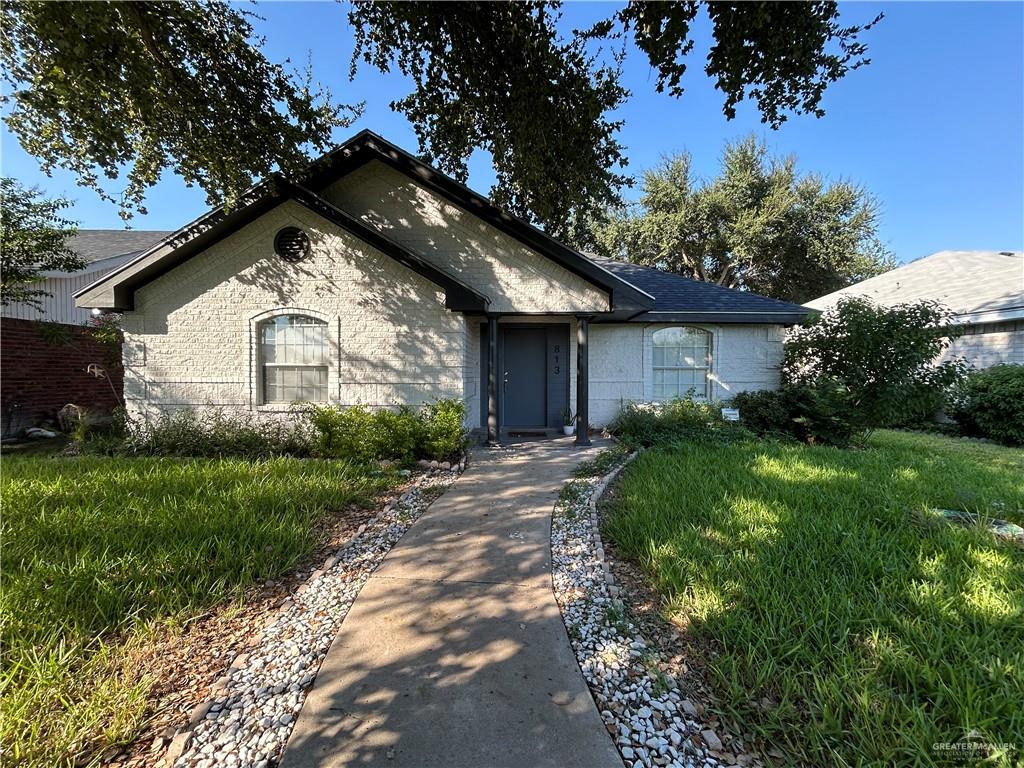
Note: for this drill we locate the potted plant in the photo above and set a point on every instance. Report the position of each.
(567, 421)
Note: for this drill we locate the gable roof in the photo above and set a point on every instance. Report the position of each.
(979, 286)
(681, 299)
(366, 146)
(116, 290)
(99, 244)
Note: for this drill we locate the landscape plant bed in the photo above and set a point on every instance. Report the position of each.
(652, 705)
(838, 621)
(128, 584)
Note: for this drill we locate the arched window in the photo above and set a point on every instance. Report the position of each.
(293, 359)
(682, 362)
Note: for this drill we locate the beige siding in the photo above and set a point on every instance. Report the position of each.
(513, 276)
(191, 339)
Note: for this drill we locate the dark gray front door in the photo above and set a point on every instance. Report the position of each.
(524, 380)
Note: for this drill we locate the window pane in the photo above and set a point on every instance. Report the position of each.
(681, 360)
(293, 354)
(287, 384)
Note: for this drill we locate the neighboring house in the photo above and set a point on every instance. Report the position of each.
(45, 351)
(985, 290)
(104, 250)
(375, 279)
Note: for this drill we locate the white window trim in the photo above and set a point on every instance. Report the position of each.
(256, 401)
(709, 369)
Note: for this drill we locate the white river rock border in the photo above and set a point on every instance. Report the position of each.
(254, 706)
(649, 719)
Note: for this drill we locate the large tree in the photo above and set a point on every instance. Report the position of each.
(107, 88)
(760, 225)
(33, 239)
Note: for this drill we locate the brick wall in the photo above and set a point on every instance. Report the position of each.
(42, 369)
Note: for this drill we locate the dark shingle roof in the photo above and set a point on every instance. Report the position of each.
(682, 299)
(96, 244)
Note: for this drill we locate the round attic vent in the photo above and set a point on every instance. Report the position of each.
(291, 244)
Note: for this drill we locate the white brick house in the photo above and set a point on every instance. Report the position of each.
(375, 279)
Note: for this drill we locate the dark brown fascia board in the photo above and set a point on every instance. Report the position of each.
(115, 291)
(367, 145)
(732, 318)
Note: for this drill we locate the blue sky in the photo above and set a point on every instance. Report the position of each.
(934, 127)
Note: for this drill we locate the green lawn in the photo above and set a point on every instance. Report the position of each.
(96, 549)
(817, 581)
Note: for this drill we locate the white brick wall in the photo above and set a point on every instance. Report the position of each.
(191, 339)
(743, 357)
(513, 276)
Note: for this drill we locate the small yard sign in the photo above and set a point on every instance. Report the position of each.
(731, 414)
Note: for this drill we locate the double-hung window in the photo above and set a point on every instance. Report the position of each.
(293, 359)
(682, 362)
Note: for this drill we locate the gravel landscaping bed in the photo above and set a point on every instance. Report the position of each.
(254, 706)
(652, 722)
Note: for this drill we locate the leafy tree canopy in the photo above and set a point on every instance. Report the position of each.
(102, 88)
(887, 357)
(759, 225)
(33, 239)
(107, 88)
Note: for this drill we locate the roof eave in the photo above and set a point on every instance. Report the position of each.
(754, 317)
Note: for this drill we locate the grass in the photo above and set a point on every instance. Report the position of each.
(844, 625)
(98, 551)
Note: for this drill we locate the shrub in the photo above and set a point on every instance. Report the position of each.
(885, 357)
(822, 414)
(214, 434)
(764, 412)
(990, 403)
(646, 424)
(443, 435)
(358, 434)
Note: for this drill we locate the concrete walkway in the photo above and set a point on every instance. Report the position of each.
(454, 654)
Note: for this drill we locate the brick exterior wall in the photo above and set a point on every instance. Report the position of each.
(743, 357)
(514, 277)
(42, 369)
(192, 338)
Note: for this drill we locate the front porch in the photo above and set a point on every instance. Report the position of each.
(532, 370)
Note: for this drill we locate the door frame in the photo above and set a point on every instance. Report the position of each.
(564, 328)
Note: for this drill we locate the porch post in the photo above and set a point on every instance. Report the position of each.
(492, 380)
(582, 382)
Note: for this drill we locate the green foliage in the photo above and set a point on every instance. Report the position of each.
(885, 357)
(213, 434)
(98, 87)
(759, 225)
(443, 435)
(499, 77)
(779, 51)
(97, 549)
(603, 463)
(845, 625)
(819, 414)
(362, 435)
(33, 240)
(990, 403)
(681, 419)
